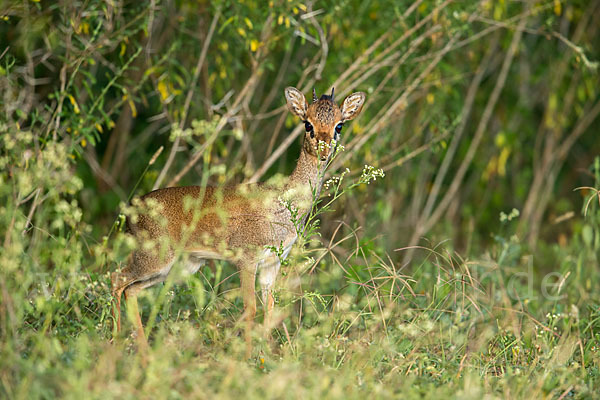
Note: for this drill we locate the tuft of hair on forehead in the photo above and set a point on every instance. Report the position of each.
(325, 111)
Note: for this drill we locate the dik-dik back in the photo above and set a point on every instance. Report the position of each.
(211, 221)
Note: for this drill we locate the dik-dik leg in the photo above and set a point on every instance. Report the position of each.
(131, 293)
(134, 313)
(248, 282)
(268, 274)
(143, 270)
(117, 292)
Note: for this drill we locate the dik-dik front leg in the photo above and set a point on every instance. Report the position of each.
(268, 274)
(247, 283)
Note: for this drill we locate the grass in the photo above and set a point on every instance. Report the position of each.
(441, 326)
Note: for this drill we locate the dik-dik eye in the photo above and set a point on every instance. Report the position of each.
(338, 129)
(309, 128)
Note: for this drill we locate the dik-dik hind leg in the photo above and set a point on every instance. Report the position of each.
(143, 270)
(119, 282)
(131, 293)
(134, 312)
(248, 282)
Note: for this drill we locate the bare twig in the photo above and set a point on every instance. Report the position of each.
(381, 56)
(401, 101)
(262, 113)
(350, 70)
(481, 128)
(324, 47)
(449, 156)
(277, 153)
(108, 179)
(577, 49)
(34, 205)
(546, 164)
(188, 99)
(415, 152)
(246, 91)
(392, 60)
(581, 126)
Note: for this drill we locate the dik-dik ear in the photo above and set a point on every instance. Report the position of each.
(352, 105)
(296, 102)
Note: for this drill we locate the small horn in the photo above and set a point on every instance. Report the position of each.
(314, 95)
(332, 89)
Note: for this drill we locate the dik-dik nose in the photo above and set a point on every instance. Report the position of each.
(324, 155)
(323, 150)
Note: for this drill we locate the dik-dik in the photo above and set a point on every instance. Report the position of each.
(240, 224)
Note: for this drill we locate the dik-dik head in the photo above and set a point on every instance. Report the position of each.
(323, 118)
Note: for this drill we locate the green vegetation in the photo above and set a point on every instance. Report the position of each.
(470, 269)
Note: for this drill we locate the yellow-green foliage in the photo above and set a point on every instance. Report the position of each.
(449, 255)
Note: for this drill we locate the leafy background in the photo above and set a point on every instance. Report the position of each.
(470, 269)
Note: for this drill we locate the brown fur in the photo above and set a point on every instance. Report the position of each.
(233, 223)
